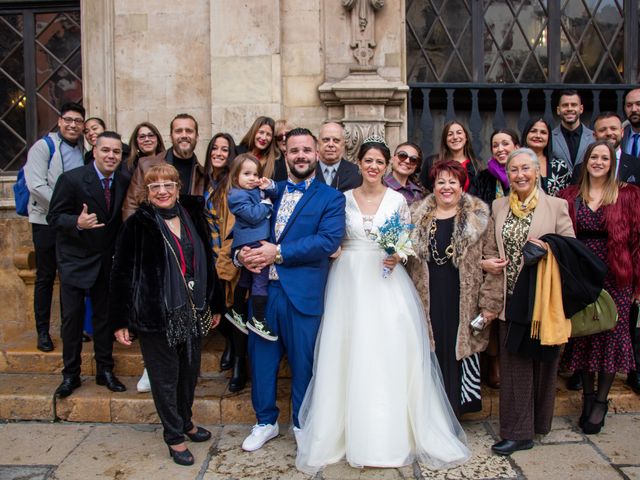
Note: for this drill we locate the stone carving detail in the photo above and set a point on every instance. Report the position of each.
(363, 40)
(355, 133)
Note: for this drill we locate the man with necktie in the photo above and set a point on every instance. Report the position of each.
(307, 228)
(631, 141)
(85, 212)
(332, 168)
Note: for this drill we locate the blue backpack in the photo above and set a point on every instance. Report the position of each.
(20, 190)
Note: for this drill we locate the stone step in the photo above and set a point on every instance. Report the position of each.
(20, 355)
(30, 397)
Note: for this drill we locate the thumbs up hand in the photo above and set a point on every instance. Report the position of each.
(88, 220)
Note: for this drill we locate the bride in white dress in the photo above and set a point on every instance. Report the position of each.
(376, 397)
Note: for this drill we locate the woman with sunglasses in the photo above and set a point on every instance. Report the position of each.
(283, 127)
(405, 168)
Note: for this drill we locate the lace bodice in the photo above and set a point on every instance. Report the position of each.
(355, 221)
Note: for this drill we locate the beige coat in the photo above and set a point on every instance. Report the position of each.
(550, 216)
(473, 236)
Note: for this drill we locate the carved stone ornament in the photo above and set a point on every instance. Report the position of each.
(355, 133)
(363, 40)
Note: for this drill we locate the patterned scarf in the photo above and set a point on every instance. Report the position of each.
(523, 209)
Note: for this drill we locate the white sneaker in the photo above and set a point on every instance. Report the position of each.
(144, 385)
(260, 434)
(297, 433)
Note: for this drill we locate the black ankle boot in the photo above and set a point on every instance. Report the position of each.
(239, 375)
(226, 360)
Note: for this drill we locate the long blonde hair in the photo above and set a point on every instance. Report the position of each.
(611, 185)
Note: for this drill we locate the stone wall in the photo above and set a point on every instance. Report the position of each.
(225, 61)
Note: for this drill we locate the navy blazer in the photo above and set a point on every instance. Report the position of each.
(561, 149)
(313, 232)
(252, 217)
(81, 252)
(346, 177)
(628, 135)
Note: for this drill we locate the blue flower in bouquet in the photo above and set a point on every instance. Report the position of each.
(393, 237)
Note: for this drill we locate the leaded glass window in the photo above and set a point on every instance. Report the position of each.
(40, 69)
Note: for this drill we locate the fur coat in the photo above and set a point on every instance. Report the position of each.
(474, 240)
(136, 290)
(622, 222)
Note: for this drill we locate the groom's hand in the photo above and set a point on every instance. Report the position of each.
(255, 259)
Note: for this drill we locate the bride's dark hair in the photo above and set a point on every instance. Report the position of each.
(370, 145)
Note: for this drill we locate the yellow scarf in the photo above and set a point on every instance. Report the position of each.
(522, 209)
(548, 323)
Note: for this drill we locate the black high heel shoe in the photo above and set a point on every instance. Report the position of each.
(593, 428)
(200, 435)
(587, 406)
(181, 458)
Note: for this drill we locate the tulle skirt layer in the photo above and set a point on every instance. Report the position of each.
(376, 396)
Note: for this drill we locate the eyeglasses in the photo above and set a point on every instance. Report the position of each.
(168, 186)
(404, 156)
(282, 137)
(70, 120)
(143, 136)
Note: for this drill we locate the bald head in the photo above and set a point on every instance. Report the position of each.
(331, 143)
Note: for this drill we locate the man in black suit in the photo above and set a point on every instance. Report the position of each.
(85, 212)
(332, 168)
(608, 127)
(631, 139)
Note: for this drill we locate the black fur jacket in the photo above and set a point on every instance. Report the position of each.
(136, 296)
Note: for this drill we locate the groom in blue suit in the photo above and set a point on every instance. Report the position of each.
(307, 227)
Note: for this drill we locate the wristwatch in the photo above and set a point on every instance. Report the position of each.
(278, 260)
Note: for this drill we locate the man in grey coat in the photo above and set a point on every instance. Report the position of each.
(571, 138)
(47, 159)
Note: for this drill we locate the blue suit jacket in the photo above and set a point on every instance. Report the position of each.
(252, 217)
(314, 231)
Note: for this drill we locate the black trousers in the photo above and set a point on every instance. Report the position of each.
(173, 374)
(73, 312)
(44, 243)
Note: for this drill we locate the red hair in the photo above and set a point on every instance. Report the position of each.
(452, 167)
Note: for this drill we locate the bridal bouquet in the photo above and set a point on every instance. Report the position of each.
(393, 237)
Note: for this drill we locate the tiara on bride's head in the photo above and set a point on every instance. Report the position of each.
(375, 139)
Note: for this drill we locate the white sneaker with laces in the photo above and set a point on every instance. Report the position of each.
(144, 385)
(260, 434)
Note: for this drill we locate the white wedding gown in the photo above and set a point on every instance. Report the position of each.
(376, 396)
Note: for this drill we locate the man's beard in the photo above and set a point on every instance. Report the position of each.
(304, 174)
(184, 152)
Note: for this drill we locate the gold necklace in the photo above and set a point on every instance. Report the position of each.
(448, 252)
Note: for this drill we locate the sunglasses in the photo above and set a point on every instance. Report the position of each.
(282, 137)
(404, 156)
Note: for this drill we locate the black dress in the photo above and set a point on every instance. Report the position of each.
(444, 311)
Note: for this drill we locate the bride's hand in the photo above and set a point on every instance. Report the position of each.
(391, 261)
(337, 253)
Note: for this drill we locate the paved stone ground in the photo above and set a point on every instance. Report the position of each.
(70, 451)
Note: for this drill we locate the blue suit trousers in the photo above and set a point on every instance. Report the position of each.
(296, 338)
